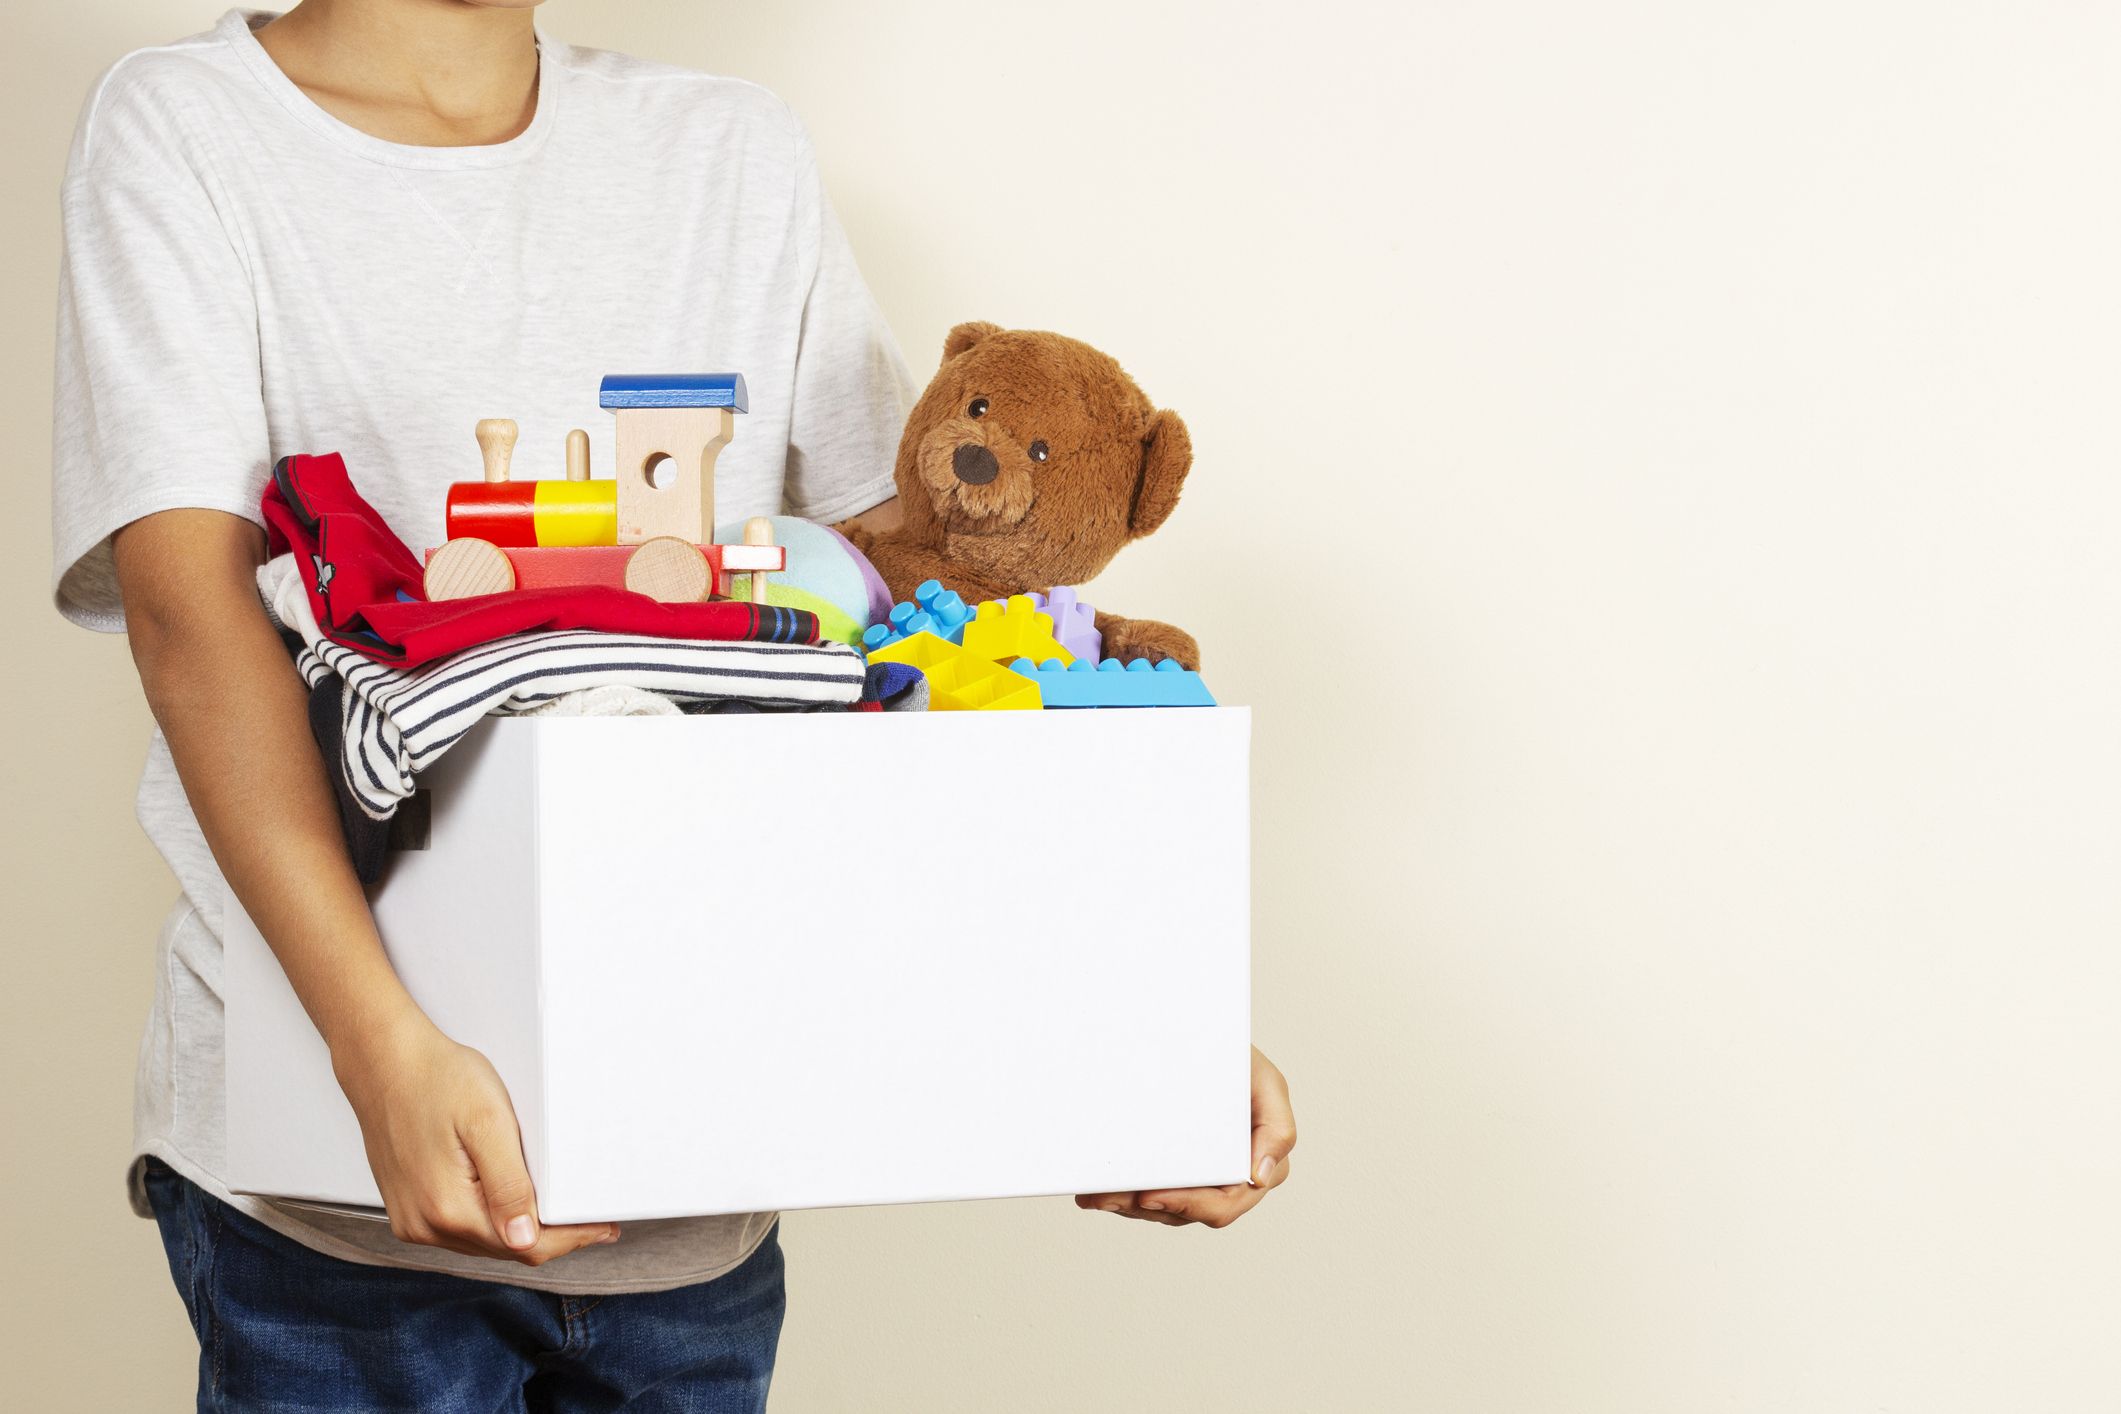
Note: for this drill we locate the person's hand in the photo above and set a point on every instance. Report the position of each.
(1273, 1136)
(443, 1144)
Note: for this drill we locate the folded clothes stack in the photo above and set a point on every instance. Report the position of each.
(384, 725)
(396, 680)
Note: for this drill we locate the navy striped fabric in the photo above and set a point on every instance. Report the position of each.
(399, 721)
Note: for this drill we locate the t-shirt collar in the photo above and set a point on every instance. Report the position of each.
(236, 26)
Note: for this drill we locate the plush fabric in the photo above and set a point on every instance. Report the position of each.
(1028, 463)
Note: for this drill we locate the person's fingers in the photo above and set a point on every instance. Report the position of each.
(559, 1241)
(1273, 1123)
(461, 1224)
(485, 1206)
(494, 1145)
(1210, 1207)
(445, 1220)
(1273, 1136)
(1125, 1205)
(1179, 1207)
(1167, 1219)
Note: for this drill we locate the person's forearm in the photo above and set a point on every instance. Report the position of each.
(441, 1134)
(879, 519)
(235, 715)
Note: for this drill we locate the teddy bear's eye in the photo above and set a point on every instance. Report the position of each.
(978, 408)
(1040, 451)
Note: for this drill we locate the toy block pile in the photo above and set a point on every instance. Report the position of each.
(1027, 652)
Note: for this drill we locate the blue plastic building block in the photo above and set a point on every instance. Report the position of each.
(1115, 684)
(934, 610)
(674, 390)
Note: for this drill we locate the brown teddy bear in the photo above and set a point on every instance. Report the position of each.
(1029, 461)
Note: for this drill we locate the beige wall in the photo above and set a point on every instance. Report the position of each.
(1657, 485)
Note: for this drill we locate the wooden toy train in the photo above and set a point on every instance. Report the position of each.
(650, 529)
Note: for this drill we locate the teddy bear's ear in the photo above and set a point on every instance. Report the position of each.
(964, 336)
(1167, 454)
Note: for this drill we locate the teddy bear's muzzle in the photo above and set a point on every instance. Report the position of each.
(974, 465)
(977, 486)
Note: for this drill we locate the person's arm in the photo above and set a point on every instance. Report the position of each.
(879, 518)
(1273, 1136)
(160, 449)
(440, 1131)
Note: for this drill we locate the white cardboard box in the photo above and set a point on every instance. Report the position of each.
(728, 964)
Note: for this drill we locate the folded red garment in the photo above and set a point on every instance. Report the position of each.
(365, 585)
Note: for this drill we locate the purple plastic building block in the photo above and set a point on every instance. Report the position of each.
(1074, 624)
(1115, 684)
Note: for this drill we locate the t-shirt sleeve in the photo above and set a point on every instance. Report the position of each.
(852, 388)
(156, 394)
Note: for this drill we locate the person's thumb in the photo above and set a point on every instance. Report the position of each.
(1270, 1155)
(495, 1146)
(1273, 1123)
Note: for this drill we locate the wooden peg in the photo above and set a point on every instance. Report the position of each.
(497, 443)
(670, 570)
(577, 455)
(756, 556)
(758, 531)
(466, 567)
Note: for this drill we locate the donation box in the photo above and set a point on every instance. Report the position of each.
(749, 962)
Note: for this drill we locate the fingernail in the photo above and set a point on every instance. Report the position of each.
(1115, 1207)
(1151, 1205)
(611, 1236)
(1266, 1168)
(522, 1232)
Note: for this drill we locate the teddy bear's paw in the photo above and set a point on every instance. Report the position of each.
(1128, 639)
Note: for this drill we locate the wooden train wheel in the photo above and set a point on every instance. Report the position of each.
(465, 567)
(671, 570)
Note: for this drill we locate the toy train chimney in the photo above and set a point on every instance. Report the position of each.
(497, 443)
(670, 424)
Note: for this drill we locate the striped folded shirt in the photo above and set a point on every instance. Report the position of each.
(398, 721)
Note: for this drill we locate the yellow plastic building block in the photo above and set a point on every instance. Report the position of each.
(1003, 633)
(959, 681)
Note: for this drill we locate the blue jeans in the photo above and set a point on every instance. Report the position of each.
(282, 1327)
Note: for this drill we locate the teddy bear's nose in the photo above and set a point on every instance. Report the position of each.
(974, 464)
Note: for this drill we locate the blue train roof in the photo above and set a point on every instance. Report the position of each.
(674, 390)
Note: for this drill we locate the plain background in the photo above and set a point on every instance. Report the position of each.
(1655, 483)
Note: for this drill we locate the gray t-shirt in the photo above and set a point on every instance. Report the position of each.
(245, 276)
